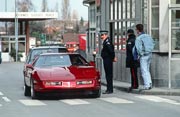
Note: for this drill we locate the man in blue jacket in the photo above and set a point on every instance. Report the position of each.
(144, 45)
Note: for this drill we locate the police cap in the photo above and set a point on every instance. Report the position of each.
(103, 32)
(131, 31)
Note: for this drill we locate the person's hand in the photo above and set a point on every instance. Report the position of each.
(115, 59)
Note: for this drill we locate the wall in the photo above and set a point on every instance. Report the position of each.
(159, 70)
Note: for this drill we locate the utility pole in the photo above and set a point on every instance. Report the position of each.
(6, 11)
(16, 31)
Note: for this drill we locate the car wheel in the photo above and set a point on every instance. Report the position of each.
(96, 94)
(33, 92)
(27, 90)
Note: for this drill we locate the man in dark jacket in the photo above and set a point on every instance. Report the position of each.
(130, 62)
(108, 56)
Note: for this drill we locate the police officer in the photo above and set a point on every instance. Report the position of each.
(108, 56)
(130, 62)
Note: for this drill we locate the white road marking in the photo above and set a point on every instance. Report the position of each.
(116, 100)
(6, 99)
(74, 101)
(158, 99)
(0, 105)
(103, 88)
(1, 93)
(32, 102)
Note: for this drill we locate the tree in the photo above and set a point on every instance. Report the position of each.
(81, 21)
(44, 6)
(25, 5)
(57, 7)
(76, 27)
(65, 10)
(75, 15)
(36, 28)
(75, 21)
(13, 54)
(66, 14)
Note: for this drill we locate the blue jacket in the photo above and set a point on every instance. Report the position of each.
(144, 44)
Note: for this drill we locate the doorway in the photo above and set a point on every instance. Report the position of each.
(8, 48)
(174, 43)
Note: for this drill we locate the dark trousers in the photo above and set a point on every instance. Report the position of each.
(108, 67)
(134, 79)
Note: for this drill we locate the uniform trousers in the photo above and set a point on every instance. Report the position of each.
(134, 79)
(108, 67)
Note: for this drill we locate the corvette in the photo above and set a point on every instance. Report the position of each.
(61, 73)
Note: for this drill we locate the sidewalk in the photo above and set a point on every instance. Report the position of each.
(154, 91)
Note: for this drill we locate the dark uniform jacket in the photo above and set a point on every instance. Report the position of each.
(108, 49)
(130, 62)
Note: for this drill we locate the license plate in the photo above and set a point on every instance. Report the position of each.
(68, 84)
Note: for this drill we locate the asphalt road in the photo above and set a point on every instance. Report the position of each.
(120, 104)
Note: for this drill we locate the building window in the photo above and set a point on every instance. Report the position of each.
(92, 17)
(144, 14)
(175, 1)
(122, 17)
(5, 46)
(155, 2)
(155, 22)
(133, 5)
(175, 30)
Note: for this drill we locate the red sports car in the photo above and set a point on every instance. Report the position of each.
(62, 73)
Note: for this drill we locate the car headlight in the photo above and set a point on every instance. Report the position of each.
(84, 82)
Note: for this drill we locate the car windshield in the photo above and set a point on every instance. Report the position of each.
(37, 52)
(62, 60)
(53, 60)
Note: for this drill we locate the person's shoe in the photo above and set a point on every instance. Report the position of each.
(150, 85)
(135, 87)
(107, 92)
(131, 88)
(146, 88)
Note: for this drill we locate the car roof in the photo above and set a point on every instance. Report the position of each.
(44, 47)
(60, 54)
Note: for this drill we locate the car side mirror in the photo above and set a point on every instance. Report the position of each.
(92, 63)
(29, 66)
(94, 55)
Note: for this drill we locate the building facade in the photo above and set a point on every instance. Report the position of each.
(161, 19)
(15, 28)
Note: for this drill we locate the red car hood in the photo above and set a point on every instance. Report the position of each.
(66, 73)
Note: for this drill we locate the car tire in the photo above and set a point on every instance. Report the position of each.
(33, 92)
(96, 93)
(27, 90)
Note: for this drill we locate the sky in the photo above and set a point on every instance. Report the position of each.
(82, 10)
(74, 4)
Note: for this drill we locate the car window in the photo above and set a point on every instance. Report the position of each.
(62, 50)
(78, 60)
(53, 60)
(28, 56)
(37, 52)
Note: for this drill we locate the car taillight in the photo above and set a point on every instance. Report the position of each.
(51, 83)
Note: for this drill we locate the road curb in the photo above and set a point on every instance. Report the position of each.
(153, 91)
